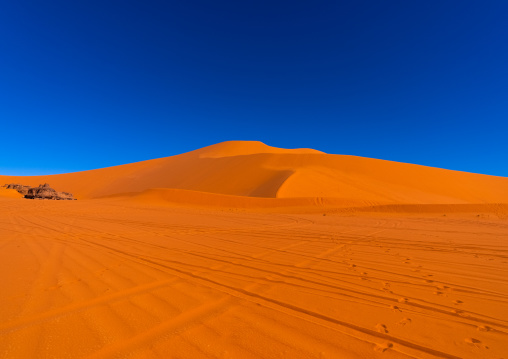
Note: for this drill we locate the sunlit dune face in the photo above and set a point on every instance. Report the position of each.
(253, 169)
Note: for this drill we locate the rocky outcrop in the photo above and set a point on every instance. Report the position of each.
(43, 191)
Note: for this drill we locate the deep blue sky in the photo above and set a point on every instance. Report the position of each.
(89, 84)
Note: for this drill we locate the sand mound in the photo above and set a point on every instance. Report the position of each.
(194, 199)
(253, 169)
(168, 196)
(500, 209)
(9, 193)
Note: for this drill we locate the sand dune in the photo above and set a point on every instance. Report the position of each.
(167, 196)
(256, 170)
(241, 250)
(9, 193)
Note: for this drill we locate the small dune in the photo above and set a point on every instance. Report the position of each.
(9, 193)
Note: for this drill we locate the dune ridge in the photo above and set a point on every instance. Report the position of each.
(253, 169)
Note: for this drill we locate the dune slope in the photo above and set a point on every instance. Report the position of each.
(254, 169)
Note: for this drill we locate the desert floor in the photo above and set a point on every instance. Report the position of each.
(115, 279)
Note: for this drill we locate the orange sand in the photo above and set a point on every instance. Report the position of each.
(240, 250)
(256, 170)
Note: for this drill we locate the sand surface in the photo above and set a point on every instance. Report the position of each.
(326, 257)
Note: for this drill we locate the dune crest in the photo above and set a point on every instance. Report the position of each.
(243, 148)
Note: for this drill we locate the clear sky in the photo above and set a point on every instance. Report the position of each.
(90, 84)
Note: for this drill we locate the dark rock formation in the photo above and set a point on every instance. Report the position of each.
(65, 196)
(44, 191)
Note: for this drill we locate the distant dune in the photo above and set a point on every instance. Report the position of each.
(253, 169)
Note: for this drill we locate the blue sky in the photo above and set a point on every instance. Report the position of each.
(90, 84)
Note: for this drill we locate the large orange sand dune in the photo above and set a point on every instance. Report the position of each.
(257, 170)
(240, 250)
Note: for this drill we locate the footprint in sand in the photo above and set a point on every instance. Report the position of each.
(383, 347)
(484, 328)
(403, 300)
(395, 308)
(476, 343)
(405, 321)
(381, 328)
(386, 287)
(461, 313)
(438, 292)
(457, 302)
